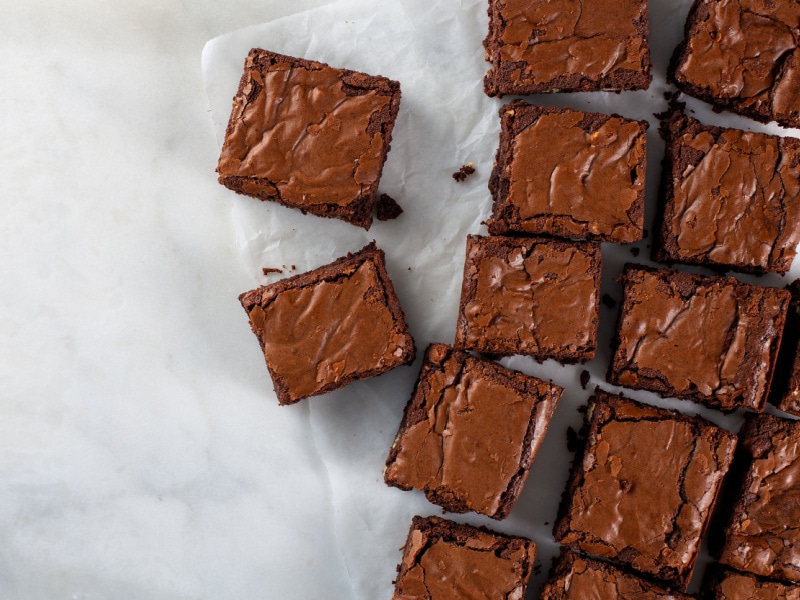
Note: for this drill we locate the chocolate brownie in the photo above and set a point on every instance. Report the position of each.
(576, 577)
(470, 432)
(569, 173)
(309, 136)
(323, 329)
(532, 296)
(729, 198)
(708, 339)
(742, 55)
(643, 486)
(762, 534)
(444, 560)
(785, 393)
(720, 583)
(537, 46)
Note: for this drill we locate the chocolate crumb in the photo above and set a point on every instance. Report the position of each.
(464, 172)
(572, 439)
(635, 251)
(387, 208)
(608, 301)
(268, 270)
(585, 377)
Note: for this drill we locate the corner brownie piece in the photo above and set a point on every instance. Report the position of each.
(309, 136)
(470, 432)
(537, 46)
(576, 577)
(532, 296)
(762, 533)
(742, 55)
(444, 560)
(569, 173)
(643, 486)
(708, 339)
(785, 393)
(323, 329)
(730, 198)
(720, 583)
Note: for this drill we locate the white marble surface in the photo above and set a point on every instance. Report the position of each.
(142, 452)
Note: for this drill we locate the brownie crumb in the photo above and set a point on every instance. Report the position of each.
(585, 376)
(635, 252)
(572, 439)
(464, 172)
(387, 208)
(609, 301)
(268, 270)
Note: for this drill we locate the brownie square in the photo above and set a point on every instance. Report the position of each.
(576, 577)
(569, 173)
(444, 560)
(642, 487)
(323, 329)
(532, 296)
(785, 392)
(537, 46)
(729, 198)
(720, 583)
(309, 136)
(742, 55)
(762, 531)
(470, 432)
(708, 339)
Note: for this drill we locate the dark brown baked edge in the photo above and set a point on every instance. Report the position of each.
(436, 355)
(676, 159)
(359, 211)
(601, 410)
(263, 295)
(687, 284)
(785, 391)
(697, 14)
(437, 528)
(469, 284)
(498, 81)
(517, 116)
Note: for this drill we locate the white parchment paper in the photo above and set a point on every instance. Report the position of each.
(434, 49)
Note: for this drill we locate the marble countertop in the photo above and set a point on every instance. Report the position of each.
(142, 452)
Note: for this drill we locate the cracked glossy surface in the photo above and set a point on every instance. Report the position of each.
(744, 53)
(647, 509)
(727, 584)
(470, 432)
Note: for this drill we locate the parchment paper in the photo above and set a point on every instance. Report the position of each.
(434, 49)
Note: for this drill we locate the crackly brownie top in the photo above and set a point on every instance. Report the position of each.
(746, 51)
(708, 338)
(727, 584)
(530, 296)
(645, 508)
(736, 196)
(551, 40)
(573, 173)
(763, 535)
(305, 128)
(579, 578)
(444, 560)
(470, 431)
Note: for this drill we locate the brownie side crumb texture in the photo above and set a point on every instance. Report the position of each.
(785, 393)
(742, 56)
(643, 509)
(444, 560)
(323, 329)
(532, 296)
(329, 118)
(536, 46)
(708, 339)
(387, 208)
(729, 198)
(762, 533)
(577, 577)
(720, 583)
(568, 173)
(470, 432)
